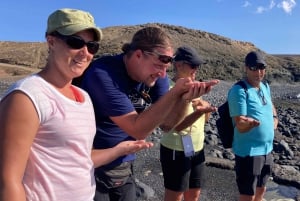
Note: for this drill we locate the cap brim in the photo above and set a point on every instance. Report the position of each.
(261, 62)
(197, 62)
(72, 29)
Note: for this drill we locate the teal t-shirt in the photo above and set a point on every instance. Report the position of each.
(256, 104)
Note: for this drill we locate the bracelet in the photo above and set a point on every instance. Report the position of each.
(275, 116)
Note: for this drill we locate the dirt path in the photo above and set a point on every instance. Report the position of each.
(10, 70)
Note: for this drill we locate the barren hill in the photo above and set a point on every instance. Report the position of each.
(224, 56)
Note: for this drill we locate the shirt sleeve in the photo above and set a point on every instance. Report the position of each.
(108, 97)
(237, 101)
(160, 88)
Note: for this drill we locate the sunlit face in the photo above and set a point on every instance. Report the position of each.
(154, 64)
(73, 60)
(185, 70)
(255, 75)
(190, 70)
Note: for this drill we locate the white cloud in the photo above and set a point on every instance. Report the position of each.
(287, 5)
(246, 4)
(260, 9)
(272, 4)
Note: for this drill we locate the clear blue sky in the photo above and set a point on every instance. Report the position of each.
(271, 25)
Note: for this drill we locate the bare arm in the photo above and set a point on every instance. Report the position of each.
(104, 156)
(178, 113)
(18, 126)
(204, 107)
(275, 117)
(141, 125)
(201, 107)
(244, 124)
(178, 116)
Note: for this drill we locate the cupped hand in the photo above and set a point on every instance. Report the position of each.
(203, 106)
(198, 89)
(250, 121)
(199, 102)
(130, 147)
(183, 85)
(206, 109)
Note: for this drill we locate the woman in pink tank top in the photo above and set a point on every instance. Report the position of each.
(47, 125)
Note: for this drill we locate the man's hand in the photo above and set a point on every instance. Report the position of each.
(198, 89)
(249, 121)
(244, 124)
(182, 85)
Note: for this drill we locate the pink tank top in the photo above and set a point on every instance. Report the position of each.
(59, 166)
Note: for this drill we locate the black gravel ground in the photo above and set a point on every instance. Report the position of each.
(219, 184)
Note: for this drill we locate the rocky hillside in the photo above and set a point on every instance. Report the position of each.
(224, 56)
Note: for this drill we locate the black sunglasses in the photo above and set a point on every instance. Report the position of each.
(144, 95)
(162, 58)
(262, 97)
(76, 42)
(257, 67)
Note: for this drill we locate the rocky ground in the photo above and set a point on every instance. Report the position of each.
(220, 178)
(287, 137)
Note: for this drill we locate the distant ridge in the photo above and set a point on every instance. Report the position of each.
(224, 56)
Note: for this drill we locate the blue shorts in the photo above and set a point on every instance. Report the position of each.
(182, 173)
(252, 172)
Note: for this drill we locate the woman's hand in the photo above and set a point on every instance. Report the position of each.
(104, 156)
(203, 106)
(130, 147)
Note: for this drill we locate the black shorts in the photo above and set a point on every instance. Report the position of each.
(182, 173)
(252, 172)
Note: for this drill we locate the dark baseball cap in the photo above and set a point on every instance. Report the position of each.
(253, 58)
(189, 55)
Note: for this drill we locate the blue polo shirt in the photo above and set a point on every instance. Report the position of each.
(114, 93)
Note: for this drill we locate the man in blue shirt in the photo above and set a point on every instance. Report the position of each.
(131, 97)
(255, 119)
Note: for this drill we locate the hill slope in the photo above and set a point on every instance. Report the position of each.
(224, 56)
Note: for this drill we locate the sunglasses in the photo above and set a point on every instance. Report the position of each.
(76, 42)
(262, 97)
(257, 67)
(145, 96)
(162, 58)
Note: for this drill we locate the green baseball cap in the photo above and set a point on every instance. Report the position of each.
(70, 21)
